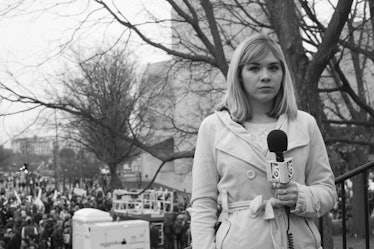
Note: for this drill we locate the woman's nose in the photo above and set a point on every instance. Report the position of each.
(265, 75)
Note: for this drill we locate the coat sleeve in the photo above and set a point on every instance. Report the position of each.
(204, 188)
(318, 195)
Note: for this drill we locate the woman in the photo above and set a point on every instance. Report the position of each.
(231, 157)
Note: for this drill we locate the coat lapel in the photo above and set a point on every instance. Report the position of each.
(236, 141)
(296, 130)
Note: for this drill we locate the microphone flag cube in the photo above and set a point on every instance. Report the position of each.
(281, 172)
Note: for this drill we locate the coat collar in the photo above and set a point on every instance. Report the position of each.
(296, 132)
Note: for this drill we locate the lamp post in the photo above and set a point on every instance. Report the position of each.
(56, 159)
(25, 170)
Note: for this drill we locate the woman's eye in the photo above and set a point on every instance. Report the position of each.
(253, 68)
(274, 68)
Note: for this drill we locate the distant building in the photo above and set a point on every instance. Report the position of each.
(42, 146)
(179, 100)
(34, 145)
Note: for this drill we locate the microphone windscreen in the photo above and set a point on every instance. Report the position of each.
(277, 141)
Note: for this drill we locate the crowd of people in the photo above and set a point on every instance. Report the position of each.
(177, 232)
(43, 218)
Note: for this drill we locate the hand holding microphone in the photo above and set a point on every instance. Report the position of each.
(286, 193)
(280, 170)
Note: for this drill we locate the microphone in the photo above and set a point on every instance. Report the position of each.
(277, 143)
(280, 169)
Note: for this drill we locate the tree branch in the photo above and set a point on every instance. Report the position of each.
(192, 57)
(349, 122)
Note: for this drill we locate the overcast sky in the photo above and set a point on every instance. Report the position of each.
(29, 43)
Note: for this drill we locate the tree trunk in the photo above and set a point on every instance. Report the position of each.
(358, 200)
(115, 181)
(357, 158)
(328, 243)
(284, 18)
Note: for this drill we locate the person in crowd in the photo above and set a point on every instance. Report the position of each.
(16, 238)
(42, 222)
(64, 213)
(168, 232)
(154, 235)
(12, 239)
(186, 231)
(9, 223)
(178, 231)
(68, 237)
(67, 232)
(29, 232)
(46, 234)
(57, 237)
(232, 155)
(6, 236)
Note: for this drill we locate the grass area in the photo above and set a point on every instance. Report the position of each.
(352, 243)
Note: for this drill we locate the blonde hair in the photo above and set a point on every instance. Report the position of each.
(253, 48)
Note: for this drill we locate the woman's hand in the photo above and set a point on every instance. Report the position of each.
(286, 193)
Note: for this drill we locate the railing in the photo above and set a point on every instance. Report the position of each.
(341, 181)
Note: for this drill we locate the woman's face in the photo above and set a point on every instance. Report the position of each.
(262, 80)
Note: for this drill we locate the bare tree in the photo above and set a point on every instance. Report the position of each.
(103, 93)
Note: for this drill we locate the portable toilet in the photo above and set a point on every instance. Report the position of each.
(82, 220)
(129, 234)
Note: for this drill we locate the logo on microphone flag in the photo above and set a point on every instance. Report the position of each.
(279, 171)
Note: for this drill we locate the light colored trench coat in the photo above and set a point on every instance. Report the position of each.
(229, 171)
